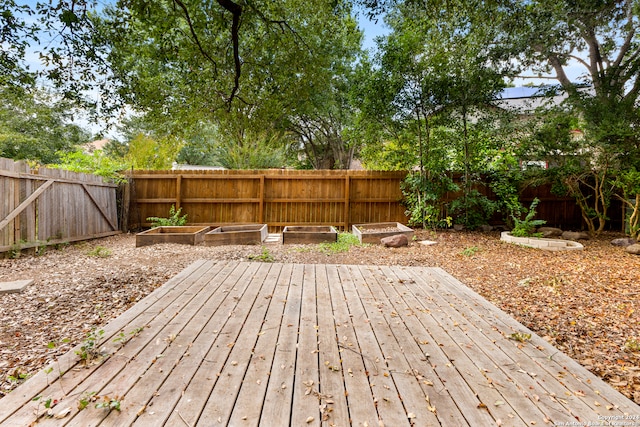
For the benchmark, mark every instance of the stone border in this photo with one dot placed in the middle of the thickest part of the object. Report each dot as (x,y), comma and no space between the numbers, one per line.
(542,243)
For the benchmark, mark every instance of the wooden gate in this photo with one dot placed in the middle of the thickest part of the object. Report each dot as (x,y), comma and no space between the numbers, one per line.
(51,206)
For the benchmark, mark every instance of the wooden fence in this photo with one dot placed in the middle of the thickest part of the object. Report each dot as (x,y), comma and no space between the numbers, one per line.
(285,197)
(51,206)
(274,197)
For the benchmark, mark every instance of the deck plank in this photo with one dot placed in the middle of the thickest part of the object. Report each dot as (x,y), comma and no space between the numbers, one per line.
(333,401)
(360,400)
(306,384)
(278,402)
(229,319)
(249,317)
(372,343)
(251,344)
(249,403)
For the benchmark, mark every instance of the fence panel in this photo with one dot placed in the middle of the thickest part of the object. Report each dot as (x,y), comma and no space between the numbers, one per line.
(275,197)
(48,206)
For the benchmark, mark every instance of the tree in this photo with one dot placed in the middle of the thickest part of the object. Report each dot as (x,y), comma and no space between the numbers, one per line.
(432,83)
(35,125)
(602,38)
(183,63)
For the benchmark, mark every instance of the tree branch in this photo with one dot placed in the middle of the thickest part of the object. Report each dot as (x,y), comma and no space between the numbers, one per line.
(192,30)
(236,11)
(628,39)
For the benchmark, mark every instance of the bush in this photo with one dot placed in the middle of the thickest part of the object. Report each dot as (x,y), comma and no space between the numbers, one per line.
(174,219)
(526,227)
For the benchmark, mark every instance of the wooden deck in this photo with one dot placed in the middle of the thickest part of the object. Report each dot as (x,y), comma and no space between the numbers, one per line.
(246,344)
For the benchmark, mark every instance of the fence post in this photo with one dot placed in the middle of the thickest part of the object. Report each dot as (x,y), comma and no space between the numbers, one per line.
(347,196)
(178,192)
(261,203)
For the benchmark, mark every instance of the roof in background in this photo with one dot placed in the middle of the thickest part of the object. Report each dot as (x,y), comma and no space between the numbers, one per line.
(523,92)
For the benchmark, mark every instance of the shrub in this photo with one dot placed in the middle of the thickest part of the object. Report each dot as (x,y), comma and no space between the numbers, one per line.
(174,219)
(526,227)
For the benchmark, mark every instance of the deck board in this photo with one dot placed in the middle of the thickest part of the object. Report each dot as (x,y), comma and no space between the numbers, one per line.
(250,344)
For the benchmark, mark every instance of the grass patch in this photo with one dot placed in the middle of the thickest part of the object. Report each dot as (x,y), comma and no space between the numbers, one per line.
(100,252)
(343,244)
(264,256)
(470,251)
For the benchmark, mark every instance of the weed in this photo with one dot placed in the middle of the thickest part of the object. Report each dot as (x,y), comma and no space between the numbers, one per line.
(108,402)
(470,251)
(41,249)
(100,251)
(122,338)
(89,350)
(343,244)
(173,220)
(85,399)
(60,246)
(15,251)
(17,376)
(632,345)
(265,256)
(520,337)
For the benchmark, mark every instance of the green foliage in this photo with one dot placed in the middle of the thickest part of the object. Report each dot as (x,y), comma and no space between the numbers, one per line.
(629,183)
(174,219)
(470,251)
(89,349)
(472,210)
(343,244)
(264,256)
(35,126)
(505,178)
(526,227)
(520,337)
(423,199)
(632,345)
(100,252)
(147,152)
(97,163)
(109,403)
(246,149)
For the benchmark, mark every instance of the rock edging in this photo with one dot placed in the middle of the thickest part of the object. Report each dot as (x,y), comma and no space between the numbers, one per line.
(542,243)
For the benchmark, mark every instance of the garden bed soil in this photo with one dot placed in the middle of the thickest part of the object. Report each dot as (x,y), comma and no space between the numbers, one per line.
(583,302)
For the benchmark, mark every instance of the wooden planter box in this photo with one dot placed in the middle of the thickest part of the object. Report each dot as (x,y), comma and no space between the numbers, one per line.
(186,235)
(251,234)
(309,234)
(372,233)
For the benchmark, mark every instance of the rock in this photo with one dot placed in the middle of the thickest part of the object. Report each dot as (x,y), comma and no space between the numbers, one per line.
(575,235)
(458,227)
(625,241)
(550,231)
(395,241)
(486,228)
(634,249)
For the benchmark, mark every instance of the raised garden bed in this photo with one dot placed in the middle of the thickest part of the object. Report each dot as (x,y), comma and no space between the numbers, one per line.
(250,234)
(373,233)
(186,235)
(542,243)
(309,234)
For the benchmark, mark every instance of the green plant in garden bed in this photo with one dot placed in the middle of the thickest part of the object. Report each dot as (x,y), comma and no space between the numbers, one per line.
(174,219)
(526,227)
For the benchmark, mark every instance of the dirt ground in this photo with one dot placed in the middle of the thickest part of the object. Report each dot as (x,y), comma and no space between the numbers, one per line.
(586,303)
